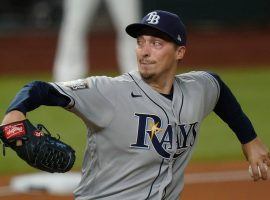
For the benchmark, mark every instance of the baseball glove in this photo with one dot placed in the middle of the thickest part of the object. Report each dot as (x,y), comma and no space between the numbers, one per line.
(37,147)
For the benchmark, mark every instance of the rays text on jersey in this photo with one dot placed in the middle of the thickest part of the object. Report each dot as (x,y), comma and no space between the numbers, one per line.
(181,136)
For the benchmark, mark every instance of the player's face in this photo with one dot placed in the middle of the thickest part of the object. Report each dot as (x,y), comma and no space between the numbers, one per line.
(157,57)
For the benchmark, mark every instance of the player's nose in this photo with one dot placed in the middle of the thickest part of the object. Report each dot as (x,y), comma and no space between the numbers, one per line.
(146,50)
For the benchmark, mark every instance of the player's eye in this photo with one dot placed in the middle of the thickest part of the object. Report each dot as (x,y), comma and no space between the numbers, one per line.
(157,44)
(139,42)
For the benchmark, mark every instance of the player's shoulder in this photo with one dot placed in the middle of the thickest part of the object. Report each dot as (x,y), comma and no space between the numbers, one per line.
(198,79)
(192,75)
(107,83)
(114,81)
(195,76)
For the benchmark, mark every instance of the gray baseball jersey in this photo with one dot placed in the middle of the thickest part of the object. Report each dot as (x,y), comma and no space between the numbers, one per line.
(139,142)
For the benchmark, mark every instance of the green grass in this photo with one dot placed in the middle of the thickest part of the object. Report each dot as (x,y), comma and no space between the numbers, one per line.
(216,141)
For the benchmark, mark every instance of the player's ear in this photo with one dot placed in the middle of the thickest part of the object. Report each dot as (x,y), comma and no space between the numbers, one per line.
(180,52)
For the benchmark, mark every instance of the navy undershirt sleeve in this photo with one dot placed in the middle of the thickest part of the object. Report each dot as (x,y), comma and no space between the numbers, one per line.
(230,111)
(35,94)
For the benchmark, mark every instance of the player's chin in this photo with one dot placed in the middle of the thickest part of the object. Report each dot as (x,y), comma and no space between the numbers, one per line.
(146,68)
(146,75)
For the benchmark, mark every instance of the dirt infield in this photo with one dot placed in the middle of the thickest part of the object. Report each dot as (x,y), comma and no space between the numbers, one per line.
(35,51)
(222,181)
(232,183)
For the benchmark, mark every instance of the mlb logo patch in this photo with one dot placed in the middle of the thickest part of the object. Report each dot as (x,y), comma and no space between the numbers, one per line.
(77,84)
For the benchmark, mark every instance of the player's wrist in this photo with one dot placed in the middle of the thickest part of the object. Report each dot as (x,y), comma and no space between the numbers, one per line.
(13,116)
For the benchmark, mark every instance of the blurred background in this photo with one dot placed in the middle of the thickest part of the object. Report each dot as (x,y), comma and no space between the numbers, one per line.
(220,33)
(229,37)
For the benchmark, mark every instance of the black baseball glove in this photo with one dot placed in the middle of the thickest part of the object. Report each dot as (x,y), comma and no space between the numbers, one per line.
(37,147)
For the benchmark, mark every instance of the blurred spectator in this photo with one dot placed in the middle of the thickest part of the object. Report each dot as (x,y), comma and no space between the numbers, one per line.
(71,56)
(16,14)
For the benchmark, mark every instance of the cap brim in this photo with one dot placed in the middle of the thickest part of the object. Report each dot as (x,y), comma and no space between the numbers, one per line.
(136,29)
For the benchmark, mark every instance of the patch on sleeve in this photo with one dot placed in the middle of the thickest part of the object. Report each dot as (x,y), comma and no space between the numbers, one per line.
(76,84)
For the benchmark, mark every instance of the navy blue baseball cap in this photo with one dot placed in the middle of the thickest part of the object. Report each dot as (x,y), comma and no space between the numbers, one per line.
(165,22)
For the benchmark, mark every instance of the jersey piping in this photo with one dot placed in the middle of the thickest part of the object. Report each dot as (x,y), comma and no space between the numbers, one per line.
(155,179)
(182,100)
(72,103)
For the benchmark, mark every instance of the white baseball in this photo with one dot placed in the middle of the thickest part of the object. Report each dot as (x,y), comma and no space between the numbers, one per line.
(260,174)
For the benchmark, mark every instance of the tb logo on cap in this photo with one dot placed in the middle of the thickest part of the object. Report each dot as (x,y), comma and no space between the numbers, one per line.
(153,18)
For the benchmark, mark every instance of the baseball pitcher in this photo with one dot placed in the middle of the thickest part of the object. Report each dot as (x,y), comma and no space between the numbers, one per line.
(142,126)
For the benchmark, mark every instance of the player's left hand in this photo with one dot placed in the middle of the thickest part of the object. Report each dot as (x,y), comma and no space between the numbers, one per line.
(37,146)
(258,156)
